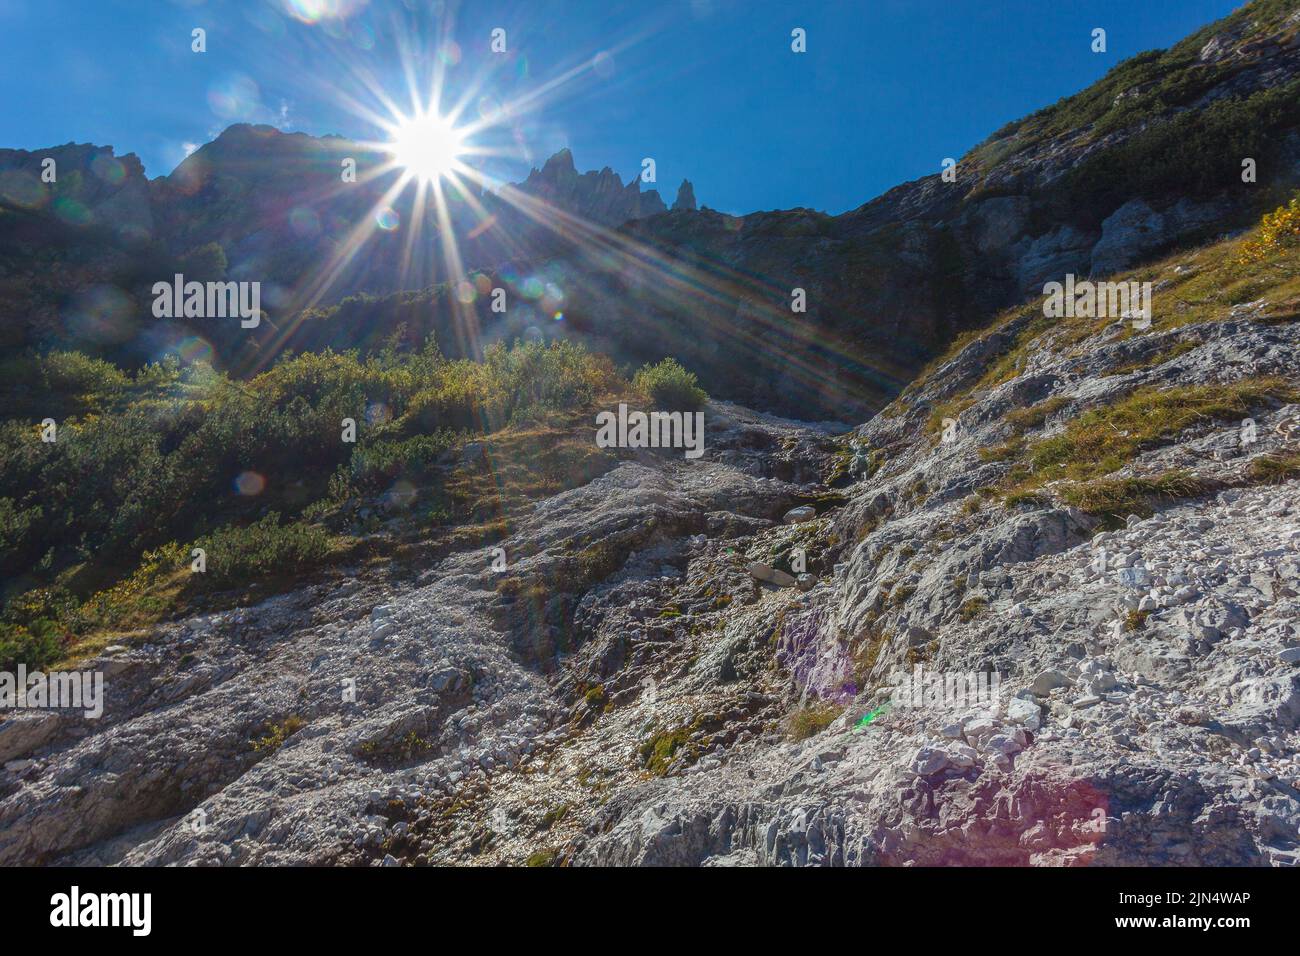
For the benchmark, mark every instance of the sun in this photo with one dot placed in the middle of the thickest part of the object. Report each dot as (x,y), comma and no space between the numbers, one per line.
(427,146)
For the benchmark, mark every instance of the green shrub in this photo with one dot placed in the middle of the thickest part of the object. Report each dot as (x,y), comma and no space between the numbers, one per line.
(262,549)
(148,459)
(36,646)
(659,751)
(1190,154)
(669,386)
(382,461)
(277,733)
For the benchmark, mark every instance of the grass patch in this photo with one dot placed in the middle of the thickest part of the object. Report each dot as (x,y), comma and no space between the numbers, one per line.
(900,596)
(553,816)
(1120,497)
(1023,419)
(1009,450)
(951,410)
(1274,468)
(1103,440)
(812,720)
(866,653)
(660,750)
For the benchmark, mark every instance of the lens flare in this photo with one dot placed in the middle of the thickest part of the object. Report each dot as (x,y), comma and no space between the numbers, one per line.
(249,483)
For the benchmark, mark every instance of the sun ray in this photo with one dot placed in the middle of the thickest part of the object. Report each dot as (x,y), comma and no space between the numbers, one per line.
(436,148)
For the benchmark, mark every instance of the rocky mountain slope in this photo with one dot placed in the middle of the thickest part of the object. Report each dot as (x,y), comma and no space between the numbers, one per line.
(633,688)
(697,661)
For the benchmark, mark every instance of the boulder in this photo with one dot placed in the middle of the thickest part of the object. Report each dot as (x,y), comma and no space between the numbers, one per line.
(802,513)
(766,573)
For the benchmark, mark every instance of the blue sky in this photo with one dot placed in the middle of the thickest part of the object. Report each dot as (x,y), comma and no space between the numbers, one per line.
(709,88)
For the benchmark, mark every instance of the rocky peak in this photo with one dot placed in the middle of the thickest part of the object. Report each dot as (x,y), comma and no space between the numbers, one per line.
(685,197)
(92,187)
(561,164)
(599,197)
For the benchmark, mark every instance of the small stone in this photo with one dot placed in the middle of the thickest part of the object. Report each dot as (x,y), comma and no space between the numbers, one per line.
(1024,712)
(765,572)
(1000,743)
(962,756)
(1135,577)
(979,730)
(1048,681)
(930,760)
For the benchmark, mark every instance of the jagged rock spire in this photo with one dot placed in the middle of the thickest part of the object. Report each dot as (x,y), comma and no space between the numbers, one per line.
(685,196)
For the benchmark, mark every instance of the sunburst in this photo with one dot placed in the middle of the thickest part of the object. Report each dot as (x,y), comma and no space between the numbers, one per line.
(427,146)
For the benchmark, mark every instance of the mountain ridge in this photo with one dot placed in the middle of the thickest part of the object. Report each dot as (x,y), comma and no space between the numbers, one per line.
(887,284)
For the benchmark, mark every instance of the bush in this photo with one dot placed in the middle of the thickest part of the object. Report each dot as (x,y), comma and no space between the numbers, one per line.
(265,548)
(382,461)
(59,384)
(1277,230)
(1194,153)
(36,646)
(670,387)
(116,490)
(277,733)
